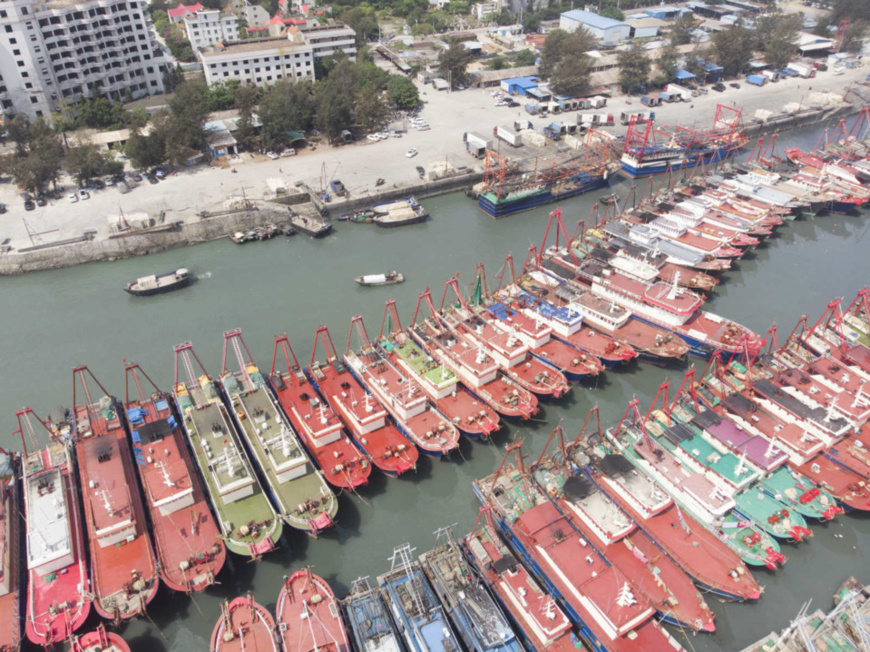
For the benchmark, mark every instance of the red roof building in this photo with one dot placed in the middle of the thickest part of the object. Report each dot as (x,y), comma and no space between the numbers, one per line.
(182,10)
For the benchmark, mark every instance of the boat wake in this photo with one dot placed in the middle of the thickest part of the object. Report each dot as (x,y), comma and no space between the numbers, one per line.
(204,275)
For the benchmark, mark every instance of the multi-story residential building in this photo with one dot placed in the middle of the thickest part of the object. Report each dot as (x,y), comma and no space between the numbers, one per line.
(265,61)
(328,39)
(64,50)
(259,61)
(208,26)
(182,11)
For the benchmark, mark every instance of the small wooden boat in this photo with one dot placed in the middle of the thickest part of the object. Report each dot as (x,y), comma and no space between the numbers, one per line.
(158,284)
(380,279)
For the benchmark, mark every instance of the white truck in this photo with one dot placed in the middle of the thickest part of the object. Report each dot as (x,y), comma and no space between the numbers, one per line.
(684,93)
(475,144)
(626,116)
(804,70)
(509,136)
(597,102)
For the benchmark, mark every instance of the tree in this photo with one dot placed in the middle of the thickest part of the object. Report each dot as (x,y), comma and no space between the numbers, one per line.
(137,118)
(571,76)
(38,157)
(17,129)
(560,44)
(222,96)
(336,100)
(84,162)
(610,10)
(403,92)
(245,103)
(190,107)
(363,21)
(733,50)
(634,67)
(525,57)
(146,152)
(776,35)
(453,62)
(497,63)
(667,65)
(112,167)
(286,106)
(372,109)
(681,31)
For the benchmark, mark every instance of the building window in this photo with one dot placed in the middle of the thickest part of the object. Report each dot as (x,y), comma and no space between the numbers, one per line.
(28,85)
(9,28)
(16,53)
(33,99)
(12,41)
(20,64)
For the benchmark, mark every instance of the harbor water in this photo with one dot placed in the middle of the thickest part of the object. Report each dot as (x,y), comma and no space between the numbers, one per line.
(52,321)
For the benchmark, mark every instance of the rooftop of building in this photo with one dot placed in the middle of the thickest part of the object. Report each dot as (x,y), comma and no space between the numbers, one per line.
(183,9)
(593,20)
(253,45)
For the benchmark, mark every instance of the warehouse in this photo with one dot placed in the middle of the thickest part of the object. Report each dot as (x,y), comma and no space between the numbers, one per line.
(604,29)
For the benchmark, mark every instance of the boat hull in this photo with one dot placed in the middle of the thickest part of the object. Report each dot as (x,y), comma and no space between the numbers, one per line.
(150,292)
(681,160)
(411,220)
(498,209)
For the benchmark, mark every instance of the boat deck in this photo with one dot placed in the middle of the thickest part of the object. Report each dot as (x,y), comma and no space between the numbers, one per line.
(370,623)
(426,627)
(236,494)
(437,375)
(186,539)
(840,375)
(841,401)
(799,410)
(247,626)
(308,616)
(757,449)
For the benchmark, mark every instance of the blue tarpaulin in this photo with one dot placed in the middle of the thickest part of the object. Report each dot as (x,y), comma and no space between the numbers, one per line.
(684,74)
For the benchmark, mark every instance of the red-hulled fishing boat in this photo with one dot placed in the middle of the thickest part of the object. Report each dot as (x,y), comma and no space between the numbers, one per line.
(187,541)
(309,618)
(710,562)
(603,524)
(473,417)
(100,640)
(473,365)
(123,565)
(321,431)
(596,596)
(537,616)
(402,397)
(11,568)
(365,418)
(509,351)
(58,593)
(244,626)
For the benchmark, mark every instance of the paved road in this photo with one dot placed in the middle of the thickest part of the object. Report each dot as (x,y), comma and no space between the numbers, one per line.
(359,165)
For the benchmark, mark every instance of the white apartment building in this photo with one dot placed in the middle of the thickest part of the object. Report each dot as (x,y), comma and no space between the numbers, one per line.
(61,49)
(328,39)
(207,27)
(260,62)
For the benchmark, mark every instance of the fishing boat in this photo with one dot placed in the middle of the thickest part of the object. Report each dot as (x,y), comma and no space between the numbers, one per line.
(190,549)
(11,566)
(667,306)
(247,520)
(641,235)
(403,398)
(474,614)
(58,592)
(244,625)
(472,416)
(100,640)
(536,616)
(649,150)
(298,490)
(308,615)
(478,371)
(418,616)
(343,465)
(124,577)
(310,226)
(147,286)
(711,563)
(390,452)
(693,492)
(509,351)
(597,598)
(388,278)
(506,191)
(603,524)
(401,212)
(370,623)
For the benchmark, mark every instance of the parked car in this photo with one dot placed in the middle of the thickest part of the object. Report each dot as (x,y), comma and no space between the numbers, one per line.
(152,179)
(83,194)
(719,87)
(2,208)
(272,155)
(73,198)
(421,171)
(734,85)
(411,153)
(137,177)
(40,200)
(288,152)
(99,184)
(29,206)
(110,181)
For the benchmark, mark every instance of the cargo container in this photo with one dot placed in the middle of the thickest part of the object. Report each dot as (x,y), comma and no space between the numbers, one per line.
(532,108)
(597,102)
(551,133)
(756,80)
(804,70)
(772,75)
(669,97)
(519,125)
(475,144)
(651,100)
(684,93)
(509,136)
(626,116)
